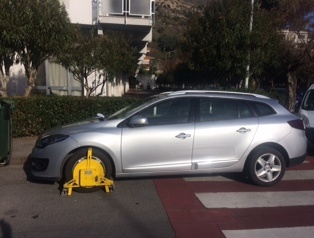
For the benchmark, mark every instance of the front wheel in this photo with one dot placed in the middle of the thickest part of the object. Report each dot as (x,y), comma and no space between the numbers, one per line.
(78,158)
(266,166)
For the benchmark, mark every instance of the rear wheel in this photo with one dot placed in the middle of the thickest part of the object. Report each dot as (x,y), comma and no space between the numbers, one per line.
(266,166)
(78,158)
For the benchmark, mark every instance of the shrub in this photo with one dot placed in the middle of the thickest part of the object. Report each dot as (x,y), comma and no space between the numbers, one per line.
(32,116)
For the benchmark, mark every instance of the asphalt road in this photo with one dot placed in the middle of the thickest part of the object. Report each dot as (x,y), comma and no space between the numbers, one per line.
(37,210)
(210,206)
(29,209)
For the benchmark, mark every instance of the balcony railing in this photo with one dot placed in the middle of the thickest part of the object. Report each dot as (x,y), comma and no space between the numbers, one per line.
(127,8)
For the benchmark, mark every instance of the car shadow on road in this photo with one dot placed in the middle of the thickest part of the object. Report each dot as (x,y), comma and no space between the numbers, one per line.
(239,177)
(236,177)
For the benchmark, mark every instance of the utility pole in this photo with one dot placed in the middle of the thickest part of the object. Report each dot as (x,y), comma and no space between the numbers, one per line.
(247,77)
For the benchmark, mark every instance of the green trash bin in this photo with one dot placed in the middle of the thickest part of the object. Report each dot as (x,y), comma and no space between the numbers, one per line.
(6,107)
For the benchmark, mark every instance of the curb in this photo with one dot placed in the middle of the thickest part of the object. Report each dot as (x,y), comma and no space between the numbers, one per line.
(21,149)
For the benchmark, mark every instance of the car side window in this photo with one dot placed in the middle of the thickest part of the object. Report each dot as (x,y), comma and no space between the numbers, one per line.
(212,109)
(173,111)
(245,110)
(263,109)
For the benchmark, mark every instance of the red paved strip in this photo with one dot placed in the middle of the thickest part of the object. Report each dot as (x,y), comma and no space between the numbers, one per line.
(186,213)
(257,218)
(190,218)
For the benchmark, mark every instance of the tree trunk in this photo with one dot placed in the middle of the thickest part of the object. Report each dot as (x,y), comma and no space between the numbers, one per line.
(292,84)
(31,74)
(4,76)
(31,81)
(4,83)
(86,89)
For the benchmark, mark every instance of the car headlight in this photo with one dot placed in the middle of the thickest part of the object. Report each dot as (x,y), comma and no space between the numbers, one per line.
(48,140)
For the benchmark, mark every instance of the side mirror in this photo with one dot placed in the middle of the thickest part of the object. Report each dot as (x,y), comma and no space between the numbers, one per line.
(138,121)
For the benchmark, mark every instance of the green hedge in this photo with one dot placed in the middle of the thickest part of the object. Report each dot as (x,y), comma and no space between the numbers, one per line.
(33,115)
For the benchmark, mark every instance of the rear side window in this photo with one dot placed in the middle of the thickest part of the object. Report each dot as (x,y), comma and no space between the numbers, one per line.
(263,109)
(213,109)
(244,110)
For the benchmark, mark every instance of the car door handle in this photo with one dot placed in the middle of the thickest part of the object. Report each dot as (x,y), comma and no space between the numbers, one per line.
(243,130)
(182,136)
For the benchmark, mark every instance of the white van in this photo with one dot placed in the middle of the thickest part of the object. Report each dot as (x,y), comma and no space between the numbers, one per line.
(306,113)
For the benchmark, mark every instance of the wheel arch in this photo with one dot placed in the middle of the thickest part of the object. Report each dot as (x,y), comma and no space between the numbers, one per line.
(64,162)
(273,145)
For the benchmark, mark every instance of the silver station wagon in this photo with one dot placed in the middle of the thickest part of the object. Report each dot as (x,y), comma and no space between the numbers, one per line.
(180,133)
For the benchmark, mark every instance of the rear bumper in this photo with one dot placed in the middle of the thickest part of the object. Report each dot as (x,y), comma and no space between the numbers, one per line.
(297,160)
(309,132)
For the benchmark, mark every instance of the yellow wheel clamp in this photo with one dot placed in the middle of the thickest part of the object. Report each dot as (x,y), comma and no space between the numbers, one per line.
(88,173)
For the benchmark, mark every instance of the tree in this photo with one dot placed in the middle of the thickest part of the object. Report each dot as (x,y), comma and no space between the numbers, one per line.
(219,40)
(293,15)
(35,30)
(6,60)
(167,43)
(99,55)
(266,57)
(118,56)
(305,76)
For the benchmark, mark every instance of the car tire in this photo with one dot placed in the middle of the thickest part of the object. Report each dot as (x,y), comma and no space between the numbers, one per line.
(266,166)
(81,155)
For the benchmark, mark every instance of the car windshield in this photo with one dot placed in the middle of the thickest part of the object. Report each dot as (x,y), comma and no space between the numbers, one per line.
(129,110)
(308,103)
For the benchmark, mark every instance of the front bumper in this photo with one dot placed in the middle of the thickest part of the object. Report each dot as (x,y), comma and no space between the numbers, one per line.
(47,163)
(40,170)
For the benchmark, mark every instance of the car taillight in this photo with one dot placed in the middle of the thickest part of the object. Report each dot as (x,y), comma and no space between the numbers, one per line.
(297,124)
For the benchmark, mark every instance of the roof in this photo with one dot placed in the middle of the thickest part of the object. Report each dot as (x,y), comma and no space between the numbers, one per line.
(211,92)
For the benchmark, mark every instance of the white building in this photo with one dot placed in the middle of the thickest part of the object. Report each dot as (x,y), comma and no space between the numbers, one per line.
(134,17)
(296,37)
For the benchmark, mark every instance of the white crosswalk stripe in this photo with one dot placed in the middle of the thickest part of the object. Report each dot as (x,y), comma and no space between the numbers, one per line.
(256,199)
(289,232)
(289,175)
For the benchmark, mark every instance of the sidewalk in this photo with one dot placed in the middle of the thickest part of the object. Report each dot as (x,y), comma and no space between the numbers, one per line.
(22,147)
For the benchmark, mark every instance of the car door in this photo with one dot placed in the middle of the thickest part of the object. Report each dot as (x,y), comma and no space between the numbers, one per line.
(224,131)
(164,142)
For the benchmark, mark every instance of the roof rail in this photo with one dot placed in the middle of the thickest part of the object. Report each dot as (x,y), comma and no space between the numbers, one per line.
(181,92)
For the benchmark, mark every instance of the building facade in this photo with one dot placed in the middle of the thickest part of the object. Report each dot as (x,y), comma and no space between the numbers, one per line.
(131,17)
